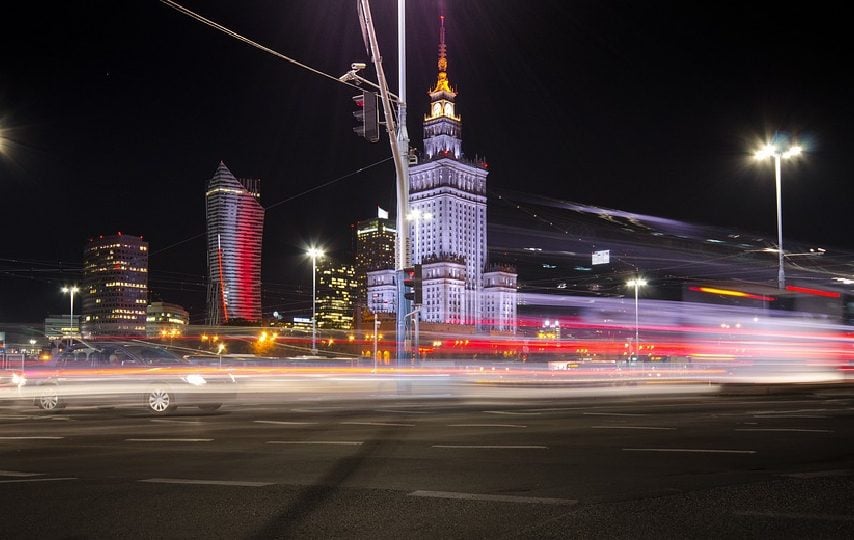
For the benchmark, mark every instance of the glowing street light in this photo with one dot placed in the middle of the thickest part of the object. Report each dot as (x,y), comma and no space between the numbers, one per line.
(637,283)
(70,292)
(220,349)
(770,150)
(314,253)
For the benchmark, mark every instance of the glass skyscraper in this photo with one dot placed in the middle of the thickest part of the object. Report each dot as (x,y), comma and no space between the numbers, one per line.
(235,223)
(115,286)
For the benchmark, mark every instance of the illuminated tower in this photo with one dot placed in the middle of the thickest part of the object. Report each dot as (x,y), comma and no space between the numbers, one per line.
(374,242)
(115,286)
(235,223)
(336,288)
(447,229)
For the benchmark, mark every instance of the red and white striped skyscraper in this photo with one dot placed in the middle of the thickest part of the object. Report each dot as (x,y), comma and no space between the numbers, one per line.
(235,223)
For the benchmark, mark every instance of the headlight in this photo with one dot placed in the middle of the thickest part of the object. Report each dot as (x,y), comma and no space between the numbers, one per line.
(19,380)
(195,379)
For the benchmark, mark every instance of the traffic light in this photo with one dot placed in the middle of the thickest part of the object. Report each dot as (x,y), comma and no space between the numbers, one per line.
(412,280)
(367,116)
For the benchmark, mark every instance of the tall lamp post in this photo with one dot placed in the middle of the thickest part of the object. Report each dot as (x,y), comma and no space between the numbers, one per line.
(314,253)
(70,292)
(771,150)
(637,283)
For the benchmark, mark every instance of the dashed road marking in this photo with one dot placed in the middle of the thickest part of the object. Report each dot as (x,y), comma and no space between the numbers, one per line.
(376,424)
(205,482)
(488,425)
(491,447)
(690,450)
(788,430)
(491,498)
(168,440)
(333,443)
(23,480)
(284,423)
(635,427)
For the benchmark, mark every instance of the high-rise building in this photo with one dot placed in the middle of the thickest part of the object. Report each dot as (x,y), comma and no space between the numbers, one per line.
(235,223)
(450,190)
(115,286)
(336,289)
(374,242)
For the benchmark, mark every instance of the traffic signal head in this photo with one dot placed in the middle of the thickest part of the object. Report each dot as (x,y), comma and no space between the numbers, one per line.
(412,280)
(367,116)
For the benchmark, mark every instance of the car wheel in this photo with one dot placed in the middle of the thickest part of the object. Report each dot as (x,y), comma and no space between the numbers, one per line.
(49,399)
(210,406)
(160,400)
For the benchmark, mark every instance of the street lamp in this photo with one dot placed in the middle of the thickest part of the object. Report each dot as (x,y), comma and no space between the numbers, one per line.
(637,283)
(70,292)
(770,150)
(219,349)
(417,216)
(314,253)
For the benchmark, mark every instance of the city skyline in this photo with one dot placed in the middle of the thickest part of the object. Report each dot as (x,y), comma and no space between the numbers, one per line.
(146,119)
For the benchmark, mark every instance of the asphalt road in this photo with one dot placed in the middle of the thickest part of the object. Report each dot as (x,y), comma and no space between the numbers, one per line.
(596,466)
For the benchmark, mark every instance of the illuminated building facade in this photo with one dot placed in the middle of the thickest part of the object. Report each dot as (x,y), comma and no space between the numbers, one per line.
(447,197)
(115,286)
(374,242)
(166,320)
(235,223)
(336,291)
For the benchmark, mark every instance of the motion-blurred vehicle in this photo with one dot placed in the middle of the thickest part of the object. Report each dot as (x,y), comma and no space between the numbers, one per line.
(128,374)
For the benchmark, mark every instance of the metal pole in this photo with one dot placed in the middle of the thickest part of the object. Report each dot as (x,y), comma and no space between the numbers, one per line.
(401,165)
(376,331)
(313,304)
(781,273)
(71,318)
(637,348)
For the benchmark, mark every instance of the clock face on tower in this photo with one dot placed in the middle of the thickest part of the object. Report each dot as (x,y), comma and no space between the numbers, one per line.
(449,109)
(437,109)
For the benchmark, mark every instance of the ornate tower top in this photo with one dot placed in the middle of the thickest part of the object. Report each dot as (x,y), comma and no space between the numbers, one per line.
(442,79)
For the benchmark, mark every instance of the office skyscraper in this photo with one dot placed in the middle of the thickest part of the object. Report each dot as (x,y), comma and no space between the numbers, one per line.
(336,288)
(235,223)
(115,286)
(374,241)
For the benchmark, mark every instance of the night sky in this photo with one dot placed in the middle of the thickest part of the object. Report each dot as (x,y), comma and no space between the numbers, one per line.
(114,115)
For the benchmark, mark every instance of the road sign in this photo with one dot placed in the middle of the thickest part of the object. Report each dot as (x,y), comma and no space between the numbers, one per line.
(602,256)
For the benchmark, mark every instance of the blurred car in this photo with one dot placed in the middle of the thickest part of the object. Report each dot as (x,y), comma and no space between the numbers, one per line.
(135,374)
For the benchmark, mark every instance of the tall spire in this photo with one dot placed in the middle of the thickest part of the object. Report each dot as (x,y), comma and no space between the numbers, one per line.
(442,79)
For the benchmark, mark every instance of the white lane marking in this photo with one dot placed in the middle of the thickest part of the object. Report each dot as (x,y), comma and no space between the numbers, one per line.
(488,497)
(19,481)
(14,417)
(490,447)
(790,416)
(162,421)
(284,423)
(487,425)
(205,482)
(512,412)
(818,517)
(690,450)
(375,424)
(19,474)
(169,440)
(39,437)
(634,427)
(551,409)
(821,474)
(338,443)
(788,430)
(615,414)
(402,412)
